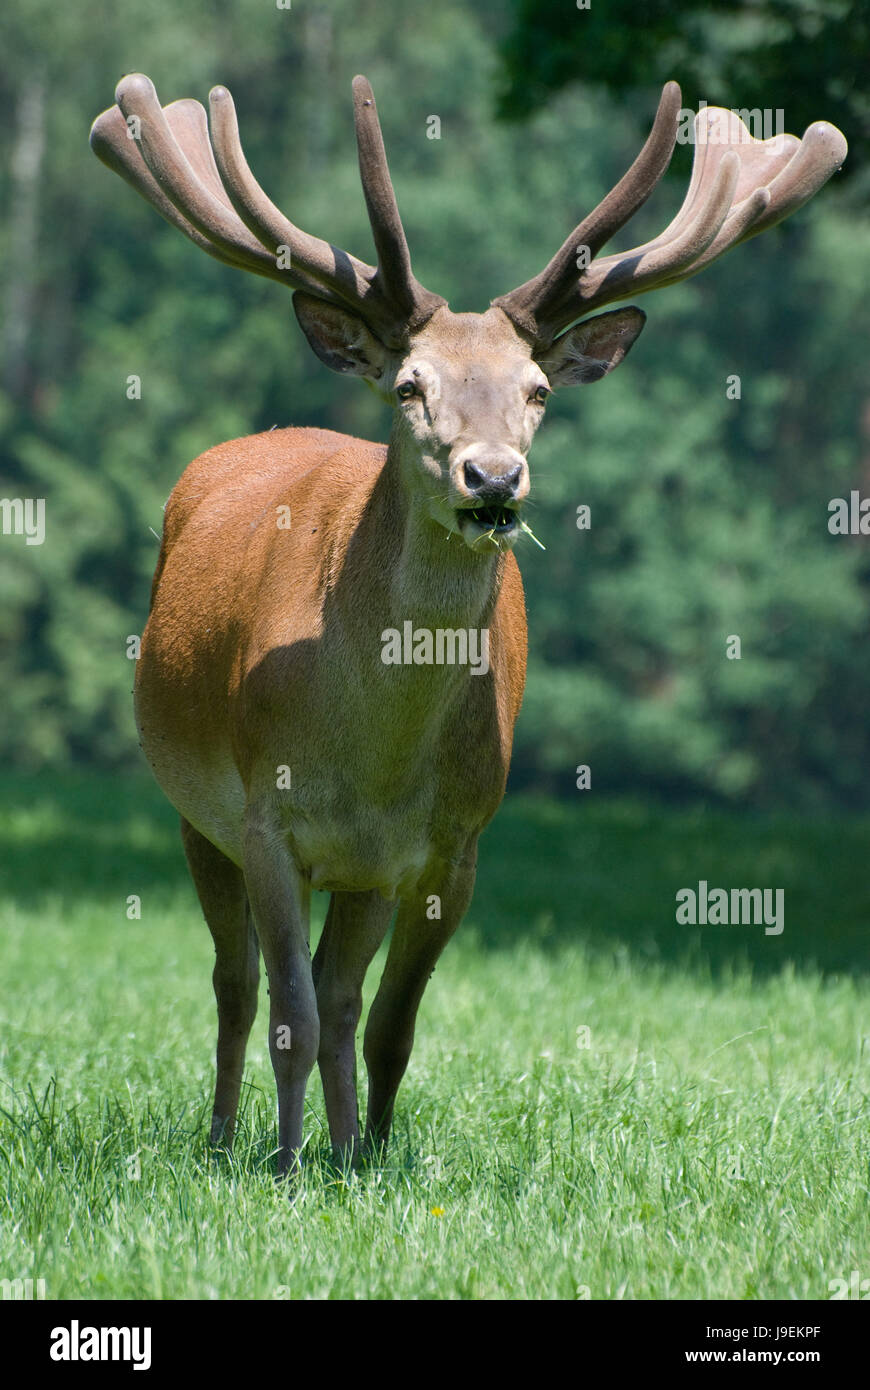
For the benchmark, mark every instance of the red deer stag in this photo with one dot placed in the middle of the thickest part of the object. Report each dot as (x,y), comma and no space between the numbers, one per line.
(297,751)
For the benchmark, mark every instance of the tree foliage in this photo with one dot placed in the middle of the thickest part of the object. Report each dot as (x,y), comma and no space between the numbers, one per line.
(807,58)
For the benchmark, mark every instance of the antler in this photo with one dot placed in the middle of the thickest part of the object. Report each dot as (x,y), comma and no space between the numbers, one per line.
(739,187)
(208,191)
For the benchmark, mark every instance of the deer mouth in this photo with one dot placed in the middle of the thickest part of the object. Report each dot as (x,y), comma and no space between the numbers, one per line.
(493,518)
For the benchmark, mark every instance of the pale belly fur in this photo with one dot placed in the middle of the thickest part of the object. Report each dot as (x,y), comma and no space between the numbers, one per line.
(338,842)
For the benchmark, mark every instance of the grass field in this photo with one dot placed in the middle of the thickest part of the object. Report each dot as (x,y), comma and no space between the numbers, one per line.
(709,1142)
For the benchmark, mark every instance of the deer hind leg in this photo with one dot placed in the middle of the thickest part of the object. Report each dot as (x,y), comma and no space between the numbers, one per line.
(279,898)
(354,929)
(419,937)
(220,886)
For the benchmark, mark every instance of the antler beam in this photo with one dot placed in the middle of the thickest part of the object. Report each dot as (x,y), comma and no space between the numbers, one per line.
(739,187)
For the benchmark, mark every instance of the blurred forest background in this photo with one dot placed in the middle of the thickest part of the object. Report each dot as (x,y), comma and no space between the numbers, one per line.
(709,515)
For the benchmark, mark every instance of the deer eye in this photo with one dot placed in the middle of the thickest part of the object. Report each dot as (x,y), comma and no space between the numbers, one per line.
(540,395)
(405,390)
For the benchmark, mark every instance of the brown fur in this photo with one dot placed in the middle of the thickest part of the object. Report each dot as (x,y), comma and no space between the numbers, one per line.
(263,650)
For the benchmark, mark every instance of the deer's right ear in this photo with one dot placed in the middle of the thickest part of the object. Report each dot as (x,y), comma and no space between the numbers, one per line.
(341,340)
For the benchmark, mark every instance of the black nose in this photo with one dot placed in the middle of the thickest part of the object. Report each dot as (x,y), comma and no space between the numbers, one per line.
(491,487)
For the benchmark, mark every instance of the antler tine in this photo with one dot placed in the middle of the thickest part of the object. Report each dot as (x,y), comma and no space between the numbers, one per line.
(111,142)
(671,255)
(315,265)
(171,170)
(394,276)
(540,305)
(819,154)
(740,223)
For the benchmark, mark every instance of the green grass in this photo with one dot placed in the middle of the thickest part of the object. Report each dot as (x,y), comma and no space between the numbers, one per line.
(711,1142)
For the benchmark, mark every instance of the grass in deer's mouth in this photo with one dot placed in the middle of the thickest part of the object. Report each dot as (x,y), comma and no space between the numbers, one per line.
(489,518)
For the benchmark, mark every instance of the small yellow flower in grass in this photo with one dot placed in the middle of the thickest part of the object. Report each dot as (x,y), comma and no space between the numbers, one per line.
(437,1211)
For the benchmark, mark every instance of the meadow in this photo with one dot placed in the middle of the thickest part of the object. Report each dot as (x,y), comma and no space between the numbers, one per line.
(601,1103)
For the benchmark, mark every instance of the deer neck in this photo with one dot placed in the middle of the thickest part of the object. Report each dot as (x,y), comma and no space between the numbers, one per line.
(401,578)
(433,577)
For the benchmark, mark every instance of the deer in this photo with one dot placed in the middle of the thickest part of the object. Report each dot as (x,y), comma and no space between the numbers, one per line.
(297,756)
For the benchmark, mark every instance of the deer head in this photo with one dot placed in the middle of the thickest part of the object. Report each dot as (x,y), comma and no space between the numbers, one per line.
(469,390)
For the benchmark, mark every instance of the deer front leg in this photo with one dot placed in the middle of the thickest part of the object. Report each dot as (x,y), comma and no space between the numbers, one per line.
(424,925)
(279,901)
(354,929)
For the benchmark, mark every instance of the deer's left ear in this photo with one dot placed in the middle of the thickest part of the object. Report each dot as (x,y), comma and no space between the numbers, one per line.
(591,349)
